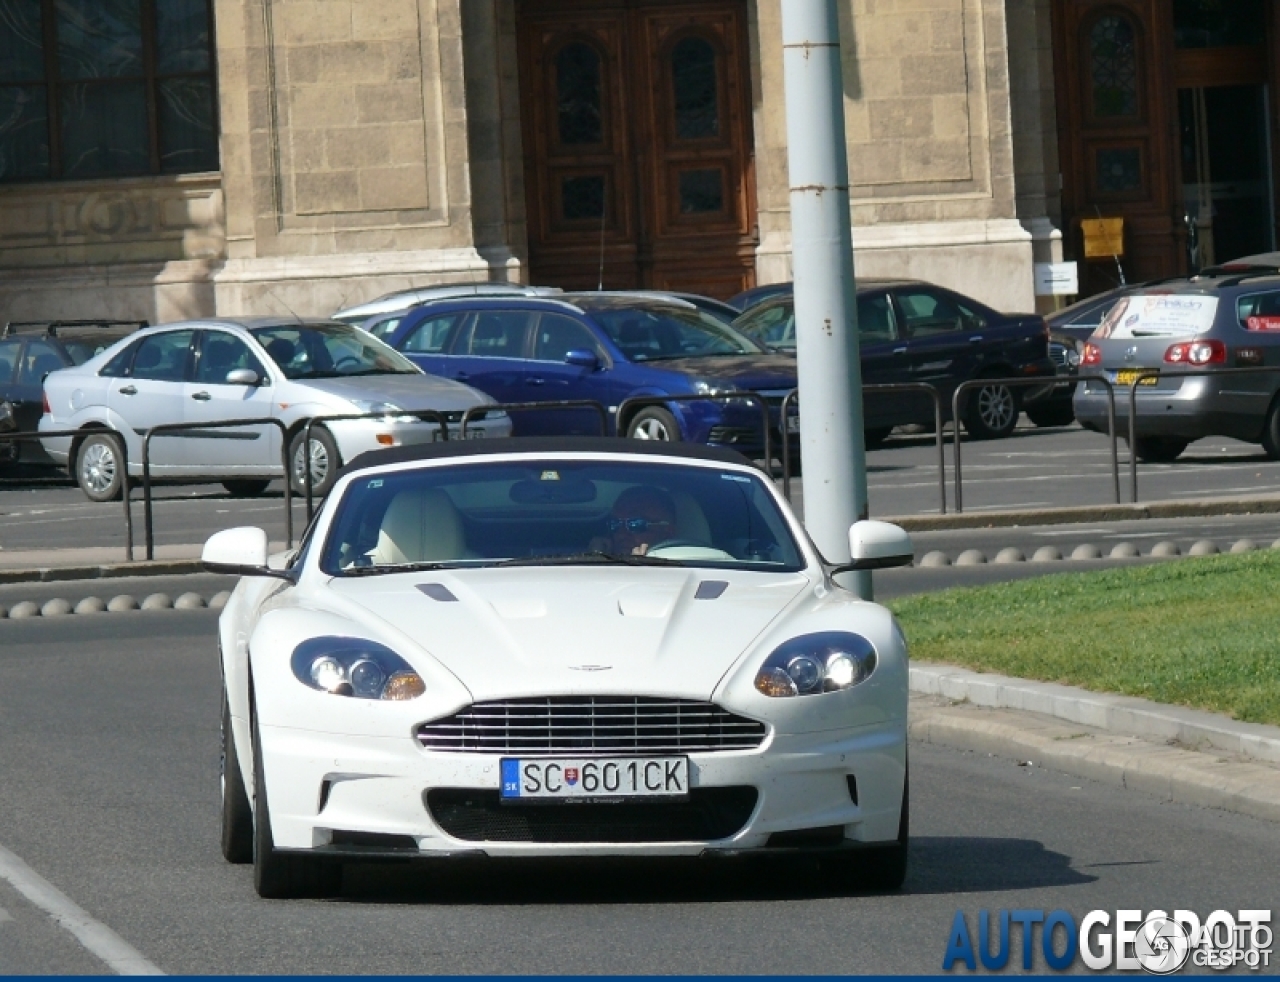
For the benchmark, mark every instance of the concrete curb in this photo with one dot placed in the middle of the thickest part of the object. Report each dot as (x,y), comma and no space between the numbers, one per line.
(1171,773)
(1123,715)
(1199,508)
(57,574)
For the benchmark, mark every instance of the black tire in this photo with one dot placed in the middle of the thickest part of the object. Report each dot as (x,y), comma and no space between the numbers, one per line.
(325,462)
(1271,432)
(246,487)
(282,875)
(98,466)
(1059,414)
(1159,449)
(654,423)
(875,438)
(991,412)
(237,812)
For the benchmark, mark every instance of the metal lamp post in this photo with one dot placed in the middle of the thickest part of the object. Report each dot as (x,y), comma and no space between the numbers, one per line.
(832,444)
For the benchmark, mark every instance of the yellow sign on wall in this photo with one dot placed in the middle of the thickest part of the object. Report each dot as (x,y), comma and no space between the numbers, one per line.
(1103,237)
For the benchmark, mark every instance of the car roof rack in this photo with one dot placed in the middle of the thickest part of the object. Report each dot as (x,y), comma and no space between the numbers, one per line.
(51,328)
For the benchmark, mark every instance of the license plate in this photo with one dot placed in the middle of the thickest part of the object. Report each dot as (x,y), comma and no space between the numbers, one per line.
(472,434)
(793,424)
(1127,376)
(594,778)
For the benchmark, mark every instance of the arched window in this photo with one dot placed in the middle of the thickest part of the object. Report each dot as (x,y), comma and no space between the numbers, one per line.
(694,83)
(1112,52)
(578,95)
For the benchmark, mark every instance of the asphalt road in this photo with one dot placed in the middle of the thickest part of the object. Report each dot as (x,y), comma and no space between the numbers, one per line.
(109,727)
(1033,469)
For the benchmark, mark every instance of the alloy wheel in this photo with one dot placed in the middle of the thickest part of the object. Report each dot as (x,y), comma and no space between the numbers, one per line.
(98,468)
(651,429)
(995,406)
(319,464)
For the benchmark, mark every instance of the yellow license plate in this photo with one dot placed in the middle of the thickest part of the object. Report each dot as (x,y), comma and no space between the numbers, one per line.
(1129,375)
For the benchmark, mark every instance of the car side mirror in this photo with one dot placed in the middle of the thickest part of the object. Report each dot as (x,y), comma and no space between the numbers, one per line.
(582,358)
(242,376)
(877,545)
(240,552)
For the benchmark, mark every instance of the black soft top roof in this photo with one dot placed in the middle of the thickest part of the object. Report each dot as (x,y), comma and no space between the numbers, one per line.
(542,445)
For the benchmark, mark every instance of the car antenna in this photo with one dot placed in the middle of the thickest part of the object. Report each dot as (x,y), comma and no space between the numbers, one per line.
(604,198)
(1114,254)
(280,300)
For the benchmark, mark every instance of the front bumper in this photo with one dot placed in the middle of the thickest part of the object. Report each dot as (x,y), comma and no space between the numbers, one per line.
(356,436)
(327,790)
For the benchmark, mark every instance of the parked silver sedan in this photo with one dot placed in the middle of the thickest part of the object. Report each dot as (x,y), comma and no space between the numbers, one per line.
(217,370)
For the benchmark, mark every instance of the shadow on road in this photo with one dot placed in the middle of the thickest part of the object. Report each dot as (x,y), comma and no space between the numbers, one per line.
(938,865)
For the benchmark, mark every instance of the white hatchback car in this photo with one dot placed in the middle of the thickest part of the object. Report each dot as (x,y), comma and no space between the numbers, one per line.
(558,647)
(252,368)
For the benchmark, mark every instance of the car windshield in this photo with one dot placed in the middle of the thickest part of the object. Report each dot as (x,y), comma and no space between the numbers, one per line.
(661,333)
(558,512)
(304,351)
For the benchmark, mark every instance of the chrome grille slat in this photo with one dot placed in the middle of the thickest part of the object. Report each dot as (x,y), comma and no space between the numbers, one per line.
(591,724)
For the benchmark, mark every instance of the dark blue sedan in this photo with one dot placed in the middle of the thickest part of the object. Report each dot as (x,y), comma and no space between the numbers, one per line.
(603,347)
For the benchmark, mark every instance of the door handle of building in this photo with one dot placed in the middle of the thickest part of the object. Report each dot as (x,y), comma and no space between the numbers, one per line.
(128,390)
(201,396)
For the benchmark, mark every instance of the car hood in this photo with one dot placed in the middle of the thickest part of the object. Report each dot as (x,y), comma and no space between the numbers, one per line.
(577,630)
(406,391)
(763,371)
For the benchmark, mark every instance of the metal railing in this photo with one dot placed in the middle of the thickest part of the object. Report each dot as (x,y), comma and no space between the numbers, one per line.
(125,487)
(308,481)
(522,406)
(939,436)
(173,429)
(1157,374)
(1039,381)
(754,397)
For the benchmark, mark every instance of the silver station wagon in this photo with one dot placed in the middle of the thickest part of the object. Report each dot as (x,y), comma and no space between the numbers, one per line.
(1221,320)
(254,368)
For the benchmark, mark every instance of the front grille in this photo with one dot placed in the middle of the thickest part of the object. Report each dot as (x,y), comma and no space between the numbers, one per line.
(592,724)
(479,816)
(1058,354)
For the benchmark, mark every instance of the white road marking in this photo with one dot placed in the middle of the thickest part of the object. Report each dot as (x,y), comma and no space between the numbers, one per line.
(1072,532)
(97,938)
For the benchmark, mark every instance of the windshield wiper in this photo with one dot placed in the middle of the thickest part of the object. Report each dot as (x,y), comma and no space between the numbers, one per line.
(401,568)
(595,556)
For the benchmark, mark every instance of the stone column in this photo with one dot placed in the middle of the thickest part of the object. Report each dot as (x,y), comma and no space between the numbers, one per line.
(345,153)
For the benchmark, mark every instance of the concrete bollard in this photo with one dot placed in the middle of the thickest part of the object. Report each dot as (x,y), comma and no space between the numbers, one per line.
(91,605)
(1010,555)
(57,607)
(1125,550)
(122,603)
(971,557)
(1204,547)
(1165,550)
(1086,551)
(1047,554)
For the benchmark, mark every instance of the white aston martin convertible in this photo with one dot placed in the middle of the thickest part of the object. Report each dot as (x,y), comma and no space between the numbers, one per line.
(558,647)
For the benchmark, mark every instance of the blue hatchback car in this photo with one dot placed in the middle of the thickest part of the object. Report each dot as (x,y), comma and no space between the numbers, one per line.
(604,347)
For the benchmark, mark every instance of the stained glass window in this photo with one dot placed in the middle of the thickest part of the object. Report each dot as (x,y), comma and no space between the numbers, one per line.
(126,86)
(582,197)
(701,191)
(693,77)
(1113,67)
(1119,170)
(578,95)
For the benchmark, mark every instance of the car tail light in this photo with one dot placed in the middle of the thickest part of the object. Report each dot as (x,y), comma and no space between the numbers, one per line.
(1092,355)
(44,403)
(1196,353)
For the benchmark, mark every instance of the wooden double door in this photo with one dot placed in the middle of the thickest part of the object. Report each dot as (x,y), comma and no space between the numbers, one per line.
(638,147)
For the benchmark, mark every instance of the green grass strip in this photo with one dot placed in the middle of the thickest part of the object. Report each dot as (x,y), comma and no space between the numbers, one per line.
(1192,632)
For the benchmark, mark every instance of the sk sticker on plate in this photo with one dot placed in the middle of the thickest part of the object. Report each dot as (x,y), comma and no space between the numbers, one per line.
(551,475)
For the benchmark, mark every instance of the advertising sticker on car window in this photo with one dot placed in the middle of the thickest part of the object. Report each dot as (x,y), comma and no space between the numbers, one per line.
(1158,316)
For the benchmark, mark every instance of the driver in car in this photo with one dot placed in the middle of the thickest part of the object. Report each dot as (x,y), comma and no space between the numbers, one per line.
(641,517)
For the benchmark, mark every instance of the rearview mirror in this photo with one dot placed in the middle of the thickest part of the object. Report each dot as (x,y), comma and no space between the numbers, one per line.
(242,376)
(582,358)
(240,552)
(877,545)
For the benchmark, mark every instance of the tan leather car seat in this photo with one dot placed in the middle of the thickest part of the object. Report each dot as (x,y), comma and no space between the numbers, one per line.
(420,526)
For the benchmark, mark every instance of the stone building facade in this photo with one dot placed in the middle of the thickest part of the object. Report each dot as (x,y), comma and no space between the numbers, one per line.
(368,145)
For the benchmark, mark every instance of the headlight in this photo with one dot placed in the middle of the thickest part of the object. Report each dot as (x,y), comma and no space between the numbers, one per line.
(352,667)
(369,406)
(815,663)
